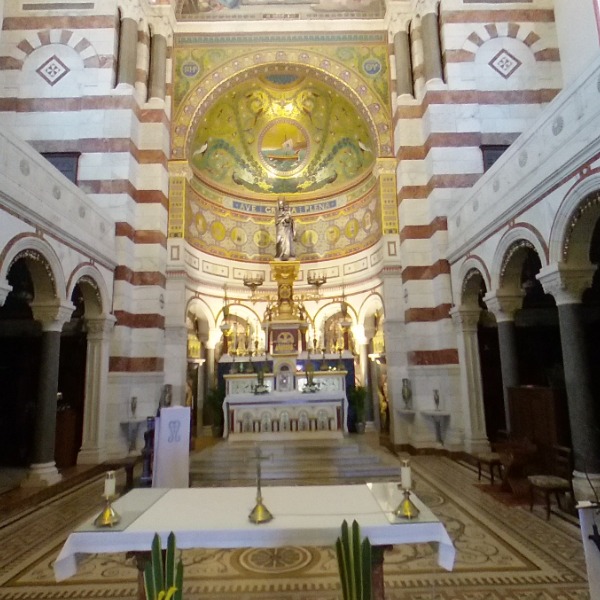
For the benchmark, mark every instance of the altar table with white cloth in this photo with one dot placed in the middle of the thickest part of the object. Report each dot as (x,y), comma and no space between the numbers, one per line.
(218,518)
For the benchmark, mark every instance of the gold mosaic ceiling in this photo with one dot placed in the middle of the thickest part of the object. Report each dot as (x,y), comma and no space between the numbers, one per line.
(281,133)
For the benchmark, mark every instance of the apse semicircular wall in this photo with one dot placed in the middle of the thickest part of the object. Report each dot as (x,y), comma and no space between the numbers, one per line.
(288,131)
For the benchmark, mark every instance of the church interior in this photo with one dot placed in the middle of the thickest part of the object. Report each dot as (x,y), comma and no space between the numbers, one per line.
(355,231)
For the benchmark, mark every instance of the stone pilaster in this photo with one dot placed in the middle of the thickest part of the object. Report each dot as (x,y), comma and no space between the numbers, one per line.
(176,360)
(93,439)
(466,319)
(566,286)
(503,306)
(43,472)
(394,328)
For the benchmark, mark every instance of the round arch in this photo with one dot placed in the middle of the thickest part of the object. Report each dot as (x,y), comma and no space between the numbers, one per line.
(372,303)
(574,222)
(45,267)
(507,261)
(95,293)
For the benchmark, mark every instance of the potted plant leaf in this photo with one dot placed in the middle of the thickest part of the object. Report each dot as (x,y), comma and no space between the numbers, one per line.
(354,563)
(163,579)
(357,397)
(214,404)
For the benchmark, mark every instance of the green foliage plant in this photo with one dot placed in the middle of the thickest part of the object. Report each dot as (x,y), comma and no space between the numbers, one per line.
(163,579)
(357,396)
(354,563)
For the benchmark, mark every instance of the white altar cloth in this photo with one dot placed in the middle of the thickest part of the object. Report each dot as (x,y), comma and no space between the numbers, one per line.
(218,518)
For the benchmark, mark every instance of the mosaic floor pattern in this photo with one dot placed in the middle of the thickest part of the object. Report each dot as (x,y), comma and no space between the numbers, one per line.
(503,553)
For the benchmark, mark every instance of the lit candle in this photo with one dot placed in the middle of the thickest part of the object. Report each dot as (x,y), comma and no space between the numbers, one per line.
(110,484)
(406,475)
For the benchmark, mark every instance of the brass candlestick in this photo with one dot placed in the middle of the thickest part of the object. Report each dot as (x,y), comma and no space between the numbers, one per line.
(109,517)
(260,513)
(406,509)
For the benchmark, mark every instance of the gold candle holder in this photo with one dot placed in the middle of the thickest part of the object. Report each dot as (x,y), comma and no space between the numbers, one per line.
(406,509)
(260,513)
(109,517)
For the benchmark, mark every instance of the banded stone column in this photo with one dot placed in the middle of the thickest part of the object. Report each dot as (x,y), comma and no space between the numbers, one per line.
(42,471)
(466,319)
(93,442)
(503,305)
(567,286)
(432,54)
(127,53)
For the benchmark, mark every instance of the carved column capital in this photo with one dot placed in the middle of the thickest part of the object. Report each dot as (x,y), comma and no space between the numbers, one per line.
(130,9)
(385,166)
(425,7)
(466,317)
(99,327)
(180,168)
(52,315)
(161,25)
(503,304)
(565,283)
(399,21)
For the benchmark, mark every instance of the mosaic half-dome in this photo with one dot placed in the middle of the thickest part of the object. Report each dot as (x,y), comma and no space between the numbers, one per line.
(283,133)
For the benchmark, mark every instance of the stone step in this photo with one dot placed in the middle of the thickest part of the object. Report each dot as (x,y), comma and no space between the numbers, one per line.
(298,462)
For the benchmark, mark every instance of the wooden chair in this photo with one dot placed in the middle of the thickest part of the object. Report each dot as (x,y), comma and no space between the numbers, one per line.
(492,460)
(558,482)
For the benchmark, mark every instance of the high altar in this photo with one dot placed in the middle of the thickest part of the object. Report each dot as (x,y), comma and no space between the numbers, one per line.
(290,391)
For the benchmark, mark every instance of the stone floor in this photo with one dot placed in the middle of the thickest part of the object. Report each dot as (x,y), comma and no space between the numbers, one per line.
(504,551)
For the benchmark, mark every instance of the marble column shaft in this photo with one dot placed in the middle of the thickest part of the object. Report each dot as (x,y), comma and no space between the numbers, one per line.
(128,40)
(404,76)
(509,363)
(583,411)
(45,420)
(432,56)
(96,383)
(466,319)
(158,67)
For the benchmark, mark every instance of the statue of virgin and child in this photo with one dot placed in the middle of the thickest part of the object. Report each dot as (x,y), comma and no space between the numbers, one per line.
(285,231)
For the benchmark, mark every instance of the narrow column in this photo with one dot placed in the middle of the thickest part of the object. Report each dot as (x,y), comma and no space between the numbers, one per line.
(395,344)
(158,67)
(93,448)
(466,318)
(432,56)
(210,362)
(567,286)
(402,55)
(128,40)
(42,471)
(503,306)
